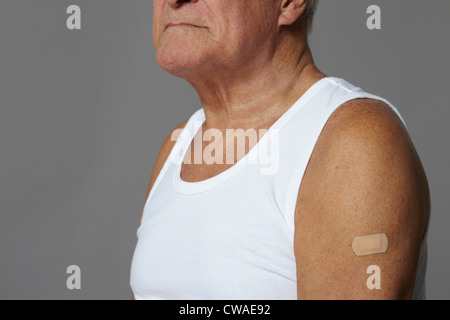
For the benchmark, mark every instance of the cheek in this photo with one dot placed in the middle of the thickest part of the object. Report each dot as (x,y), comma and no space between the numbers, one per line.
(246,26)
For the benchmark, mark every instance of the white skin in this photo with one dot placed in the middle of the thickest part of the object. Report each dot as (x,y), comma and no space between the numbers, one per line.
(246,74)
(249,62)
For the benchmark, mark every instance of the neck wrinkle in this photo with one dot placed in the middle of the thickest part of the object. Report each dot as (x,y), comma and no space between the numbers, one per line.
(255,97)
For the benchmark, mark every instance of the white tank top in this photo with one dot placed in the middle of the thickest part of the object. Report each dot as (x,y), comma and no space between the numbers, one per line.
(231,236)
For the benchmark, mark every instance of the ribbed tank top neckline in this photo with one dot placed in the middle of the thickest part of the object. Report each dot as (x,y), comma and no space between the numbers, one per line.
(197,120)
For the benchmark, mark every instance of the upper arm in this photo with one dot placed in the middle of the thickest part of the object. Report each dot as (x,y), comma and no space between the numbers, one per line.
(161,159)
(364,177)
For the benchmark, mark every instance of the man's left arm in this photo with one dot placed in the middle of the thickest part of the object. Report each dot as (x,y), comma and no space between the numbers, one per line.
(364,178)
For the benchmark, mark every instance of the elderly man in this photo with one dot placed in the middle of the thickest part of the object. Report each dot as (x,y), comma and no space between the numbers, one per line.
(342,215)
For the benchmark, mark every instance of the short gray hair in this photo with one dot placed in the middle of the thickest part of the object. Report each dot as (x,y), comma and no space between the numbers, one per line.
(308,14)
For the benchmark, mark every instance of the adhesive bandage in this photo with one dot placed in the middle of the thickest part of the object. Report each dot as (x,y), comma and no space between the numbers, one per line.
(371,244)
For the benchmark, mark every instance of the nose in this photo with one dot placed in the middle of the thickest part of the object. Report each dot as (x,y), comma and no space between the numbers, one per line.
(179,3)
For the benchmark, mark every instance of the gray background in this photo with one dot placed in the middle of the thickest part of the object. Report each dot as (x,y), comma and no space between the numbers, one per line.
(83,114)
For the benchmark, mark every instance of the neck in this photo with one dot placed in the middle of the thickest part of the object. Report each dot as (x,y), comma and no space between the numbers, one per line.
(255,94)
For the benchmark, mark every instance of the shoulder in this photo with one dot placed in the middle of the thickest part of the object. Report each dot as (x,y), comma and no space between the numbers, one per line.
(163,154)
(366,147)
(364,130)
(368,135)
(168,144)
(364,119)
(360,131)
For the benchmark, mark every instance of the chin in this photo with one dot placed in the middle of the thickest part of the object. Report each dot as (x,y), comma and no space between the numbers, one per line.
(181,60)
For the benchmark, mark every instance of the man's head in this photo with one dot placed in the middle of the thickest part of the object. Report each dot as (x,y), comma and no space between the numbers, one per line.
(194,36)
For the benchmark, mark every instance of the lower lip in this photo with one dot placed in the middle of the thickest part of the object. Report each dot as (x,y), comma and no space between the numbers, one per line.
(182,25)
